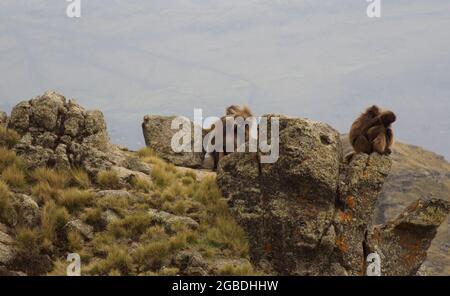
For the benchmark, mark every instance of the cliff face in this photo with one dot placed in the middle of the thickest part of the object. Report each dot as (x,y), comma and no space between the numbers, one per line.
(416,173)
(310,214)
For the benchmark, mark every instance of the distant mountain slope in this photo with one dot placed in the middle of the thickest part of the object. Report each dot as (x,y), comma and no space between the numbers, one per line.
(416,173)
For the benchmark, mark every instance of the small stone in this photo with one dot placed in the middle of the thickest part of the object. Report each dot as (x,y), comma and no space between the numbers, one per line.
(84,229)
(171,221)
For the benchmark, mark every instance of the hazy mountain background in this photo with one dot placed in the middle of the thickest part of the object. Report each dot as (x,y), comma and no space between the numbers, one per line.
(324,60)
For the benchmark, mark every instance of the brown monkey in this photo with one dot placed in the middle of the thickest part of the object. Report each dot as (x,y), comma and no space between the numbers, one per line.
(372,132)
(234,112)
(381,136)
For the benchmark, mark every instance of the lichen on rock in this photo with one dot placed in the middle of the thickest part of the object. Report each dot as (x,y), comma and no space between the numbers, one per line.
(158,135)
(57,132)
(311,214)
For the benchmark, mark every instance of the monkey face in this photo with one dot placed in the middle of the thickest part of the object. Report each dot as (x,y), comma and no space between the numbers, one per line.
(388,117)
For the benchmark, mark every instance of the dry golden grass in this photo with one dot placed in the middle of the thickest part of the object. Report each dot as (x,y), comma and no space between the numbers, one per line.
(28,242)
(63,195)
(151,255)
(75,199)
(117,262)
(227,234)
(14,176)
(53,220)
(236,270)
(7,212)
(162,176)
(146,152)
(42,192)
(80,178)
(140,184)
(118,204)
(8,137)
(74,241)
(108,180)
(131,226)
(93,217)
(8,158)
(57,179)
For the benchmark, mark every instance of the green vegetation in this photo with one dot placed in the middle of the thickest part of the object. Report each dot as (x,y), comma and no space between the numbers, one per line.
(127,240)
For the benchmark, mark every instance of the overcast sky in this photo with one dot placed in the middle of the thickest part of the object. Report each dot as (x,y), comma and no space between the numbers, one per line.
(320,59)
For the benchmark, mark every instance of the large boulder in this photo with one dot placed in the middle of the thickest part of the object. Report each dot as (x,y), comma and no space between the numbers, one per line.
(57,132)
(359,189)
(311,214)
(287,207)
(158,136)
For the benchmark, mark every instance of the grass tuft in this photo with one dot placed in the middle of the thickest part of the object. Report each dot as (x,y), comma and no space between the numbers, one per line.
(8,137)
(74,199)
(227,234)
(53,220)
(14,176)
(57,179)
(80,178)
(108,180)
(8,158)
(140,184)
(7,212)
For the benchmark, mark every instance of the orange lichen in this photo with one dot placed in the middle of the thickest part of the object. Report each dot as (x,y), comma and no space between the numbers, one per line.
(345,217)
(350,202)
(341,244)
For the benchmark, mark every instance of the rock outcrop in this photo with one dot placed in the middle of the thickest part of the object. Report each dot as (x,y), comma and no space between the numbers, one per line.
(403,243)
(310,214)
(158,136)
(416,173)
(57,132)
(3,118)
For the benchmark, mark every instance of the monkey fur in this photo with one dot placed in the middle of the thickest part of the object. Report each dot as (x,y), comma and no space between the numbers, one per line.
(372,132)
(233,111)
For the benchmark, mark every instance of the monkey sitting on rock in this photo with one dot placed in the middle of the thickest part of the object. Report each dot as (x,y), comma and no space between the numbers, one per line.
(372,132)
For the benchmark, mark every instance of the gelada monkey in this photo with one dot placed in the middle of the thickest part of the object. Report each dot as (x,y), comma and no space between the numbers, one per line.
(234,112)
(372,132)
